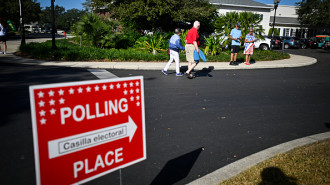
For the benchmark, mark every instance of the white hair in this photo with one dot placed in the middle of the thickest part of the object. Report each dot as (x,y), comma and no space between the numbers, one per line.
(197,23)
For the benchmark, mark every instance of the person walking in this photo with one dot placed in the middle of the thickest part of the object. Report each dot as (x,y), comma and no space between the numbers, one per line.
(3,38)
(192,42)
(235,36)
(175,46)
(249,46)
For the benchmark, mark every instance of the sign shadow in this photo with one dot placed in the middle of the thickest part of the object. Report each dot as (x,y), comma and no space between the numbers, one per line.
(177,169)
(274,175)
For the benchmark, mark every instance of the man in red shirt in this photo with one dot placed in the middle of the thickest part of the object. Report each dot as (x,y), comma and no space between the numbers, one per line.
(192,42)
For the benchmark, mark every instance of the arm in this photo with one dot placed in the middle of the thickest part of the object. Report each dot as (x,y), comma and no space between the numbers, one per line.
(178,44)
(232,38)
(196,46)
(246,41)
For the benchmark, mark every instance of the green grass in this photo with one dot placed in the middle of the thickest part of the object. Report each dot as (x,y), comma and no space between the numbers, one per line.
(307,165)
(68,51)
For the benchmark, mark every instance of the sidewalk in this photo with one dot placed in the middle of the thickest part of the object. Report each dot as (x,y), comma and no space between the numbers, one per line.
(293,61)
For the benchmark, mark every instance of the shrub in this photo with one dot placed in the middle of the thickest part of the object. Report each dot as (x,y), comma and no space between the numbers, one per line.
(97,30)
(67,50)
(153,43)
(213,45)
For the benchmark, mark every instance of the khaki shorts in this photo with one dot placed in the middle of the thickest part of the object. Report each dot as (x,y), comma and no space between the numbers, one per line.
(190,48)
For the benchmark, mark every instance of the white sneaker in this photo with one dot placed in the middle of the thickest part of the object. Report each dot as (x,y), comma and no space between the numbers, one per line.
(4,53)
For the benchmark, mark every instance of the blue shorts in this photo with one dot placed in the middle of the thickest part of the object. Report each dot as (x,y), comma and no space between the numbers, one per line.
(3,38)
(234,49)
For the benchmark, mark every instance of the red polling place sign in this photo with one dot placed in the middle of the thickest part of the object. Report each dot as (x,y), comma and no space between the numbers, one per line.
(83,130)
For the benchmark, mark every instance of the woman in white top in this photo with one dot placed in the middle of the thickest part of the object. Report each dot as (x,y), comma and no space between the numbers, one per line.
(3,37)
(249,46)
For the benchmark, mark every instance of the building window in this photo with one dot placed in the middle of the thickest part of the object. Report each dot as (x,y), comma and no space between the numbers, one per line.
(261,16)
(287,31)
(279,31)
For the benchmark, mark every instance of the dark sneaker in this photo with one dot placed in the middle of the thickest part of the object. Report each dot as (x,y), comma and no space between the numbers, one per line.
(179,74)
(233,63)
(164,72)
(191,76)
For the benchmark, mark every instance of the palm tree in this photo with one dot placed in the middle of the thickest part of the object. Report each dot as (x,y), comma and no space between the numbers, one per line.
(98,30)
(225,23)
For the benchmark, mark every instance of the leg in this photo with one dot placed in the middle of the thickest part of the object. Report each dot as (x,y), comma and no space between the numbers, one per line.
(246,58)
(235,56)
(5,46)
(192,66)
(231,56)
(169,62)
(190,57)
(177,62)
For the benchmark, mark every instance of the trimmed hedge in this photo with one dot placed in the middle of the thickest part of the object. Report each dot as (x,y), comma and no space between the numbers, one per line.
(68,51)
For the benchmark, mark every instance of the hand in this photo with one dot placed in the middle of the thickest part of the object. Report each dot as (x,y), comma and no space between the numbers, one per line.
(197,50)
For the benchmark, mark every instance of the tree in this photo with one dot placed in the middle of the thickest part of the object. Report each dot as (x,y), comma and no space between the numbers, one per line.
(276,32)
(225,23)
(314,13)
(46,18)
(69,18)
(97,30)
(9,10)
(63,19)
(162,15)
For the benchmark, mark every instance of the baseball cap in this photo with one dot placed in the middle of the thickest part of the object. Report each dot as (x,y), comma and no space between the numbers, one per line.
(238,24)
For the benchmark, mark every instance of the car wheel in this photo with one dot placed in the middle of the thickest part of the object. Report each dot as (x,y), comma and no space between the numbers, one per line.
(286,46)
(303,46)
(264,47)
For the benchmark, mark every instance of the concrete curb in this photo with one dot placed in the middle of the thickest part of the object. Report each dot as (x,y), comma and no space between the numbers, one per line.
(239,166)
(293,61)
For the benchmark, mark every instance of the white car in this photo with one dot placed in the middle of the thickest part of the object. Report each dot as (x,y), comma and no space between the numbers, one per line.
(263,44)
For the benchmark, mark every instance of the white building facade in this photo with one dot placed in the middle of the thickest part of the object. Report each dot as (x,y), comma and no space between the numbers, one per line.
(225,6)
(286,20)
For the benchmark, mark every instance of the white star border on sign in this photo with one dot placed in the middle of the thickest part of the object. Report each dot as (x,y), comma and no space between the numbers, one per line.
(41,94)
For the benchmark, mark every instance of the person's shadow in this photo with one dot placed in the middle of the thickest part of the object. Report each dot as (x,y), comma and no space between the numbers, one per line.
(275,176)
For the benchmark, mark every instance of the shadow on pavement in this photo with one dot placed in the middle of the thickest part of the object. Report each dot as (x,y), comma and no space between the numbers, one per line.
(205,72)
(327,125)
(177,169)
(274,175)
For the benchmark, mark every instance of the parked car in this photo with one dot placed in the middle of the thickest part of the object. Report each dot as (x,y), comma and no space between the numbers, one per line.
(323,41)
(290,42)
(45,31)
(263,44)
(276,42)
(308,43)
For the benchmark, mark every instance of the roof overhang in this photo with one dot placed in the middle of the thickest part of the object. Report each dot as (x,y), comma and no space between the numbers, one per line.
(243,6)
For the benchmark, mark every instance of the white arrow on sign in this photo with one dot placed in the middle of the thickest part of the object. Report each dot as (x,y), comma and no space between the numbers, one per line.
(90,139)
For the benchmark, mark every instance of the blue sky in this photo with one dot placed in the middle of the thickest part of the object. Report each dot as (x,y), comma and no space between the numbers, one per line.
(69,4)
